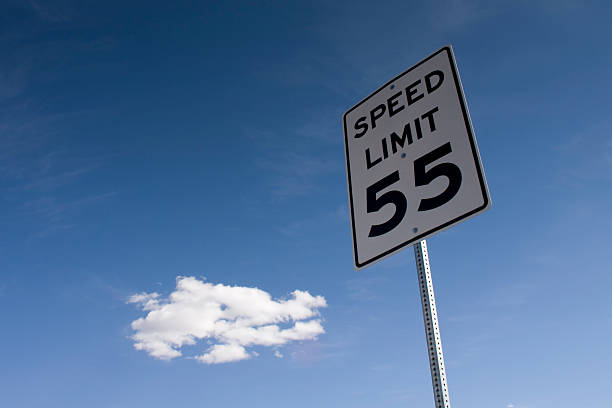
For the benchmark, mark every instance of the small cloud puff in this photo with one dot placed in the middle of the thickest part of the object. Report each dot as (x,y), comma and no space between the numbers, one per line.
(230,318)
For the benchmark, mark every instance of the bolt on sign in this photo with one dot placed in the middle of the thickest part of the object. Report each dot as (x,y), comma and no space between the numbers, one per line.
(413,166)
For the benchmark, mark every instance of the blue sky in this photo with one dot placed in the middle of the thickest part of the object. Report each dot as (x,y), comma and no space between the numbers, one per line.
(145,142)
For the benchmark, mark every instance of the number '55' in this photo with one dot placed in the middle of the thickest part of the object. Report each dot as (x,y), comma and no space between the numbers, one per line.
(422,177)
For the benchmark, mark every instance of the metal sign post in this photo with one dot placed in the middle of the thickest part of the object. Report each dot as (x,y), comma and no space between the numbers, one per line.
(432,329)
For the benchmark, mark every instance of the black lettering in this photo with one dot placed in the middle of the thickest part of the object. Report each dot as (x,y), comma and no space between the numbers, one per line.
(428,85)
(374,115)
(410,92)
(375,203)
(396,140)
(429,116)
(417,126)
(369,163)
(392,102)
(361,124)
(422,177)
(385,148)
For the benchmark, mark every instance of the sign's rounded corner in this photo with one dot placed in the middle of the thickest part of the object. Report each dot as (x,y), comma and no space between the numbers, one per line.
(344,115)
(487,204)
(359,266)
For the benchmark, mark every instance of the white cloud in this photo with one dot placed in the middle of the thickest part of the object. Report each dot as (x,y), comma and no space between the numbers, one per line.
(148,301)
(278,354)
(224,353)
(231,318)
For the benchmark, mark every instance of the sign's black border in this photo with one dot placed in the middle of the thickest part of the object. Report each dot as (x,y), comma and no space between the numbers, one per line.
(468,125)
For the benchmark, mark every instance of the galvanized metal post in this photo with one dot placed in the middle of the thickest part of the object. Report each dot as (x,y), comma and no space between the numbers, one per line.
(432,329)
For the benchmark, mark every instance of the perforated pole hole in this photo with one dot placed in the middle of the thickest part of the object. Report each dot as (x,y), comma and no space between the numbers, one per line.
(432,329)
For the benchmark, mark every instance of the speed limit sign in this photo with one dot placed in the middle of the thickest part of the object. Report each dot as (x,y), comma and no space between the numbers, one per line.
(413,166)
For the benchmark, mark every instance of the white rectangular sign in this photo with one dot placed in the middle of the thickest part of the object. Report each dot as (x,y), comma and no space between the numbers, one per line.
(412,161)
